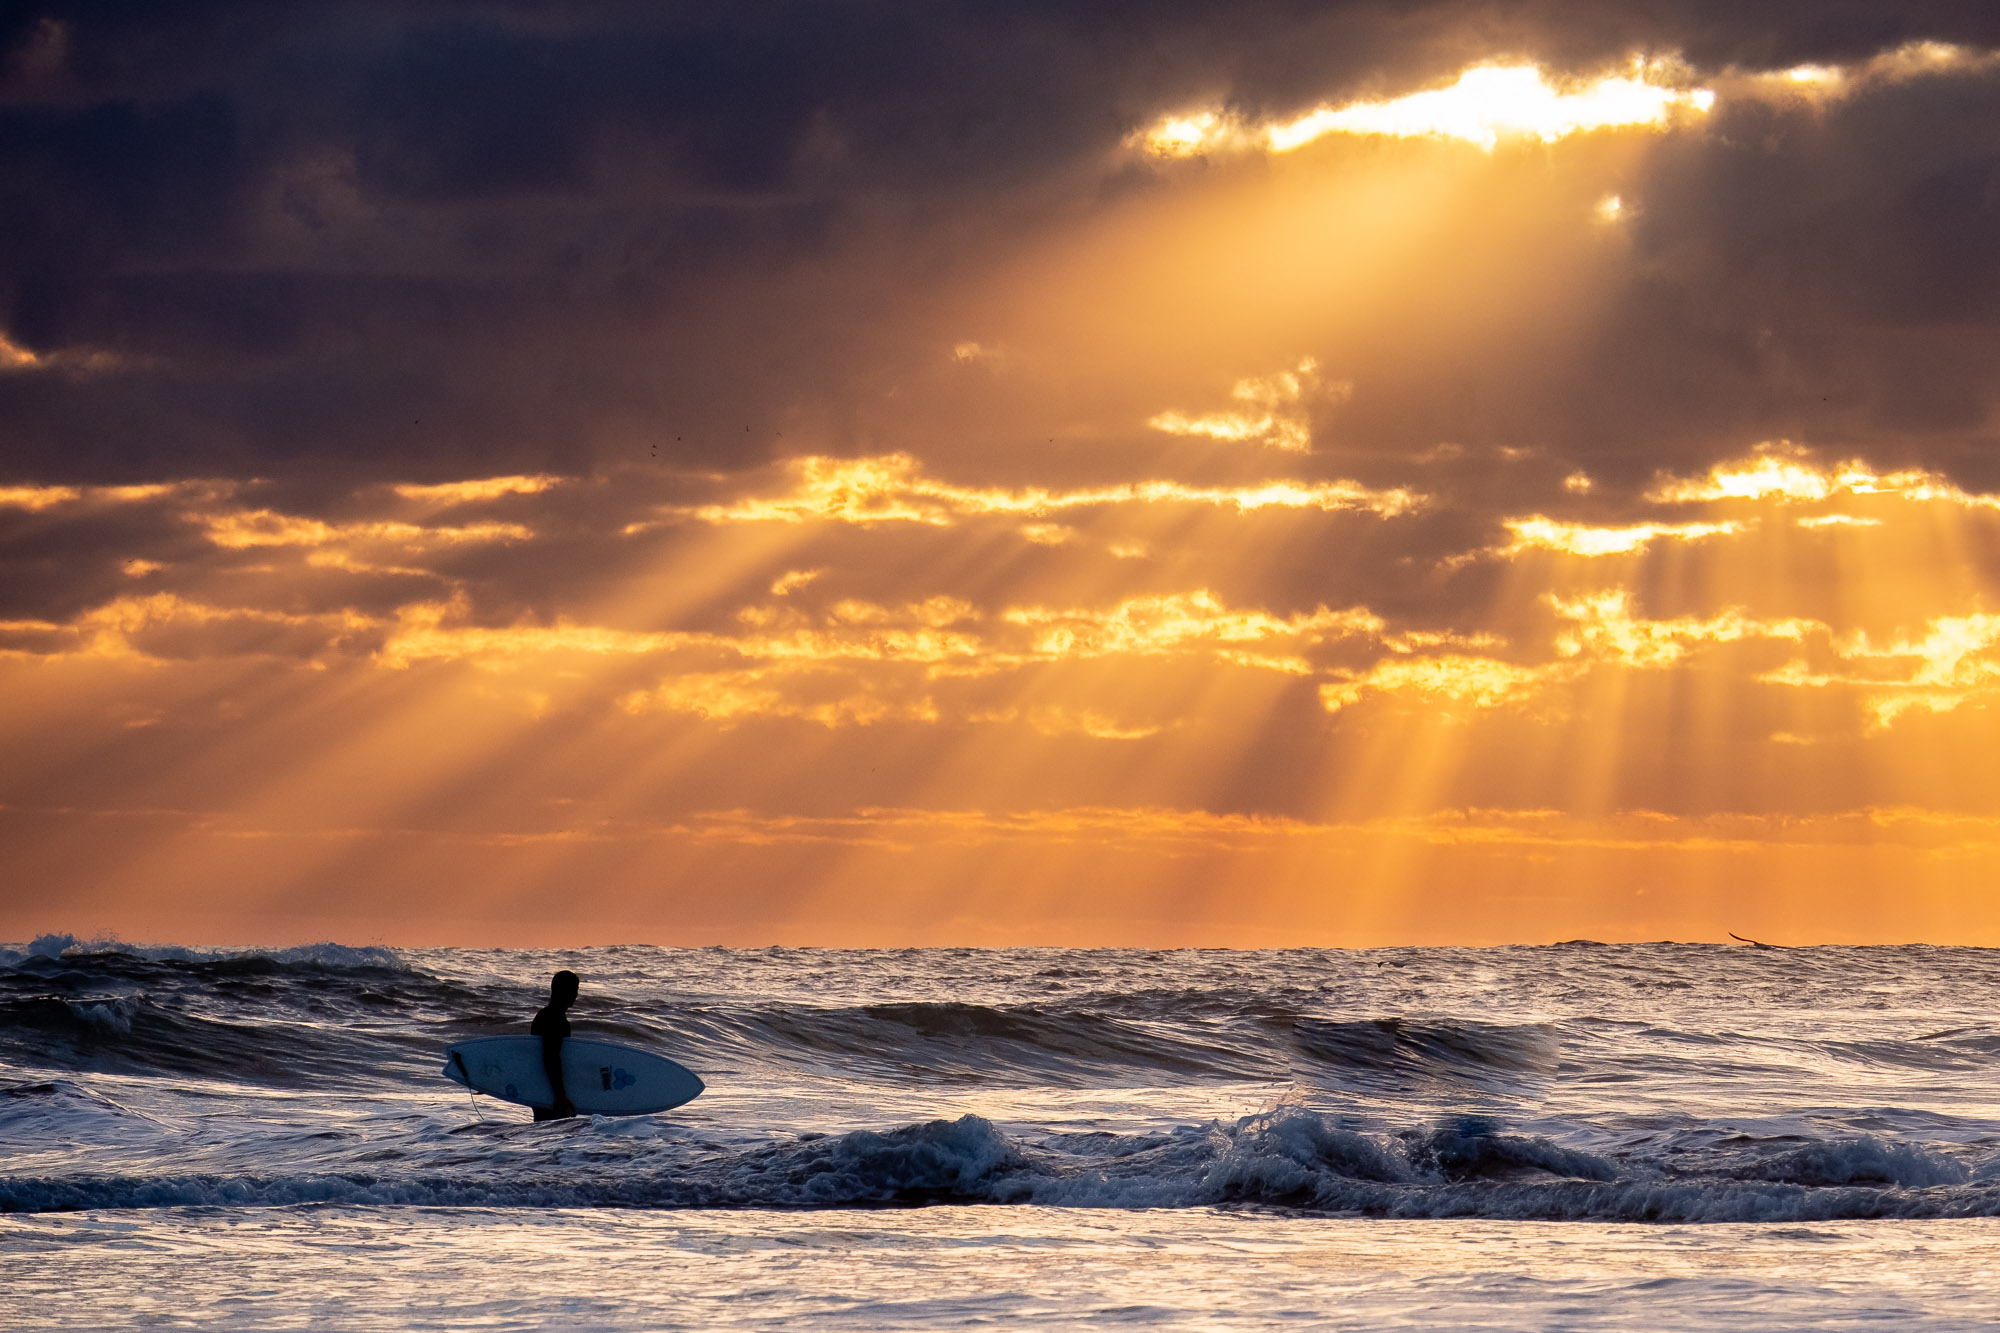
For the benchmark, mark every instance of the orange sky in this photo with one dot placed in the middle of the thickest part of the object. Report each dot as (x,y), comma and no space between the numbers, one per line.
(1415,514)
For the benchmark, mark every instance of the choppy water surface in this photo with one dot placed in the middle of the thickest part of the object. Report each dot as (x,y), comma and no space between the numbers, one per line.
(1432,1137)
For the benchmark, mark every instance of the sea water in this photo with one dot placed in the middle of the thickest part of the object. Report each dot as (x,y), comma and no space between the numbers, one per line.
(1577,1136)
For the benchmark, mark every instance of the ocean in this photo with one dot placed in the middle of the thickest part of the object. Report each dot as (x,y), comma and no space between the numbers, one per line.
(1577,1136)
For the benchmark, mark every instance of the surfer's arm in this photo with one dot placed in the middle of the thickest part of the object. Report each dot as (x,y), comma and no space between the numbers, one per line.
(553,1066)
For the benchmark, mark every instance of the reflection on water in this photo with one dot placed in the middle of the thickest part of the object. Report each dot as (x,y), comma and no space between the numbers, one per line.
(368,1269)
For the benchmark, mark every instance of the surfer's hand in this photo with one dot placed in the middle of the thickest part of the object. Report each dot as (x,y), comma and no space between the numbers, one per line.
(564,1107)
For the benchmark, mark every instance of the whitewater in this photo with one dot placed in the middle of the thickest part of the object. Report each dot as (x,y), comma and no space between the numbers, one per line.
(1572,1136)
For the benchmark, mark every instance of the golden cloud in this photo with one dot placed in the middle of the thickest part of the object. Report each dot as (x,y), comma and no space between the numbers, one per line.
(246,528)
(1602,628)
(1156,625)
(1820,84)
(135,628)
(892,488)
(1272,411)
(468,492)
(1785,473)
(38,498)
(1490,102)
(1588,541)
(1600,631)
(1451,679)
(725,696)
(882,661)
(1956,659)
(1483,105)
(79,361)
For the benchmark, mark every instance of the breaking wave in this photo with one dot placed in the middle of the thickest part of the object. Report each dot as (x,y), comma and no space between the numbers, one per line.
(1291,1159)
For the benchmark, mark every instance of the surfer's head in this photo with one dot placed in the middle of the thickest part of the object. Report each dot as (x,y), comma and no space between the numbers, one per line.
(562,989)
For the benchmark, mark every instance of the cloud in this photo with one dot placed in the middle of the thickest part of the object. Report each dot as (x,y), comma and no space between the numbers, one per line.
(893,488)
(162,626)
(1273,411)
(1583,539)
(1483,105)
(1785,473)
(40,497)
(471,492)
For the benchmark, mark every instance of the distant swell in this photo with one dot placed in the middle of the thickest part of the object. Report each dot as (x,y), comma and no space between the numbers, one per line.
(964,1042)
(1400,1053)
(325,956)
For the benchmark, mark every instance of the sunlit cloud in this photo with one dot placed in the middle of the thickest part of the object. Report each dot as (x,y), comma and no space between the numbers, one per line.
(1953,661)
(13,356)
(37,498)
(1452,679)
(936,630)
(970,353)
(76,361)
(1784,472)
(1192,134)
(1056,720)
(1829,83)
(853,631)
(1150,626)
(893,488)
(1597,631)
(1484,105)
(164,626)
(469,492)
(727,696)
(1603,628)
(1491,102)
(1588,541)
(792,580)
(1272,410)
(1810,521)
(247,528)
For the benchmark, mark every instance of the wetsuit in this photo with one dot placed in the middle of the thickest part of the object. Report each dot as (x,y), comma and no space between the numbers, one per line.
(552,1025)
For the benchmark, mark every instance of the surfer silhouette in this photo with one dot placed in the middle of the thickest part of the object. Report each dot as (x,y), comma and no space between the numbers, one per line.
(552,1025)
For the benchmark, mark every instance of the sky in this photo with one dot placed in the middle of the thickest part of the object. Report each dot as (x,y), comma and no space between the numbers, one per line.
(1247,474)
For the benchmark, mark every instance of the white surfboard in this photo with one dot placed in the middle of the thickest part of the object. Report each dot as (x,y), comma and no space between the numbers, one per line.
(601,1077)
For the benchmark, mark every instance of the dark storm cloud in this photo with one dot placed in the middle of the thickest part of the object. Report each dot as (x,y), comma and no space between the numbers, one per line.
(445,239)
